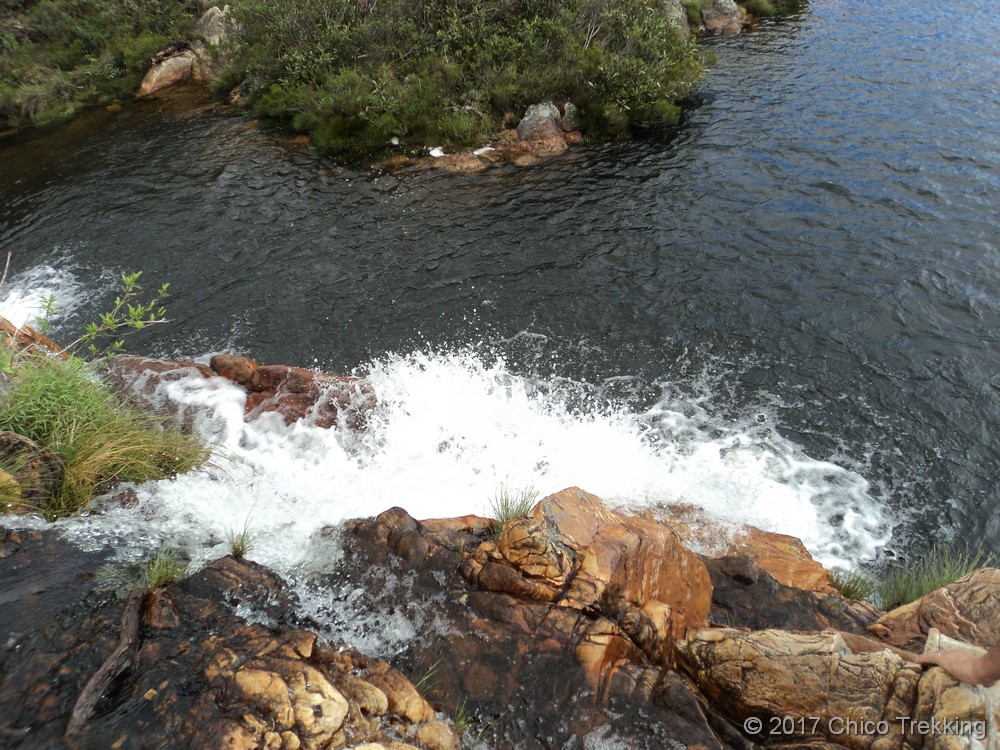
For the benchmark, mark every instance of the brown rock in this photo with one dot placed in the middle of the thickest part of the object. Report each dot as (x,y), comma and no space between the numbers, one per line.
(169,72)
(27,337)
(540,122)
(817,686)
(965,609)
(783,556)
(235,367)
(576,553)
(722,17)
(745,595)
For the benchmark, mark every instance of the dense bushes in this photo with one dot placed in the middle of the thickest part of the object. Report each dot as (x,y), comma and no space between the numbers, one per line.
(355,73)
(56,55)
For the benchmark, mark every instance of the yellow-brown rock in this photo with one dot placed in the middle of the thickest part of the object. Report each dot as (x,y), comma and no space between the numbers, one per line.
(811,687)
(783,556)
(966,610)
(577,553)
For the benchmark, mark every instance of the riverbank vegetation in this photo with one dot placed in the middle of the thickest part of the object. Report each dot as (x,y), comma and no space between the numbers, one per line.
(903,583)
(356,74)
(97,438)
(59,55)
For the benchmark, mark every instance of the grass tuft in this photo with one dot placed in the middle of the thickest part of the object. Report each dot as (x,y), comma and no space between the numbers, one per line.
(852,584)
(509,503)
(163,569)
(903,584)
(60,407)
(426,682)
(241,542)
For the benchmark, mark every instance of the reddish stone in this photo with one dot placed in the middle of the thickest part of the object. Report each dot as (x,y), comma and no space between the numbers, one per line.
(235,367)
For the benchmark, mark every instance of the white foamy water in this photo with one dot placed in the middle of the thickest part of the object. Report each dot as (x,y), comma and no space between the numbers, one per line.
(23,295)
(450,429)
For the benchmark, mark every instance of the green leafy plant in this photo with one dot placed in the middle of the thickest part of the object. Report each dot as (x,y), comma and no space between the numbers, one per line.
(905,583)
(462,718)
(61,407)
(357,74)
(57,56)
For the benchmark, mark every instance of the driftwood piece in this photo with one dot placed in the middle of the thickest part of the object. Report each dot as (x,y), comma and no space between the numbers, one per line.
(121,659)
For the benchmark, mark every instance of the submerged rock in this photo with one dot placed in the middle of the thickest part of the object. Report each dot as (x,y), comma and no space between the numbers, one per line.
(296,393)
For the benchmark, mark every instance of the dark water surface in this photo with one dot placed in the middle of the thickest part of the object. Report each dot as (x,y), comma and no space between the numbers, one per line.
(821,236)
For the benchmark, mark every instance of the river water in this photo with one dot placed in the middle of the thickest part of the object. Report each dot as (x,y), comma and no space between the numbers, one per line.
(786,311)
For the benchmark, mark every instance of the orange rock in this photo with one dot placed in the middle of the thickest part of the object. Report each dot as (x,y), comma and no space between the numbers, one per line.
(783,556)
(575,551)
(235,367)
(27,337)
(966,610)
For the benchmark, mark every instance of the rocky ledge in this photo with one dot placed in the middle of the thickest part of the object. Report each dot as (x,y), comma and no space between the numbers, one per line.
(574,624)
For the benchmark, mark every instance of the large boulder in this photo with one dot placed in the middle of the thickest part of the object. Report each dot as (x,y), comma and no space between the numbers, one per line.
(570,612)
(966,610)
(540,122)
(214,25)
(722,17)
(812,688)
(678,18)
(576,553)
(171,71)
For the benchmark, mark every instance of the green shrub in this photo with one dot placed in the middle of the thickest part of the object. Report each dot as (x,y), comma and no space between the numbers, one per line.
(905,583)
(82,52)
(355,74)
(64,410)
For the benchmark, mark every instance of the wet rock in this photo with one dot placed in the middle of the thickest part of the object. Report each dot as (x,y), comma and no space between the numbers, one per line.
(818,687)
(780,555)
(722,17)
(25,338)
(235,367)
(745,595)
(201,671)
(36,474)
(965,609)
(540,122)
(570,613)
(296,393)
